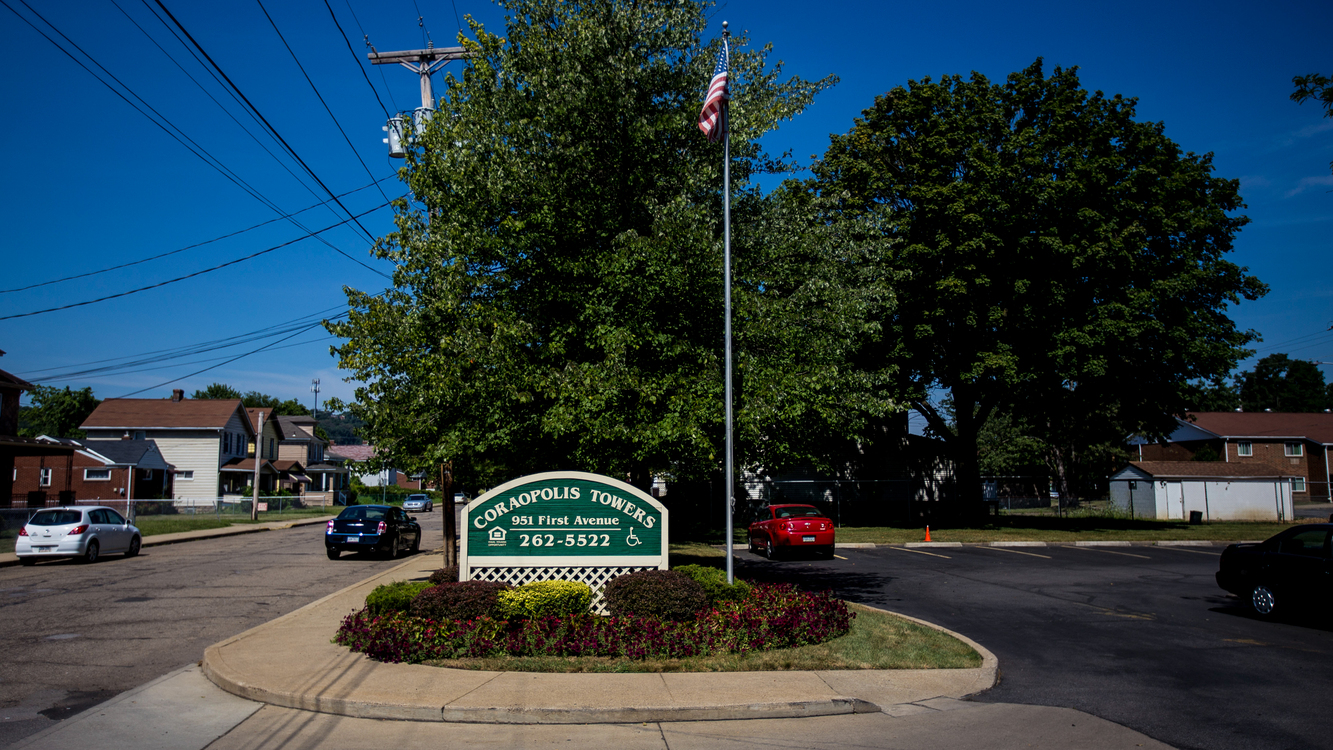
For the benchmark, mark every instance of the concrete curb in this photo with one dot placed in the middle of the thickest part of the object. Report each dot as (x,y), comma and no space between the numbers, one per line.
(9,558)
(282,664)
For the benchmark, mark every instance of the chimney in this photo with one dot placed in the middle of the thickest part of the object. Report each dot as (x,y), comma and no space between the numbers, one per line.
(177,394)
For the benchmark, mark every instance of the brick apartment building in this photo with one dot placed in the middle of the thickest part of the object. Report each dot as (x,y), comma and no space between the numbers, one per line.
(100,470)
(1296,444)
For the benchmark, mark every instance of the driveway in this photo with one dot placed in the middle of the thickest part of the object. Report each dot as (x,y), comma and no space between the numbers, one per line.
(1141,636)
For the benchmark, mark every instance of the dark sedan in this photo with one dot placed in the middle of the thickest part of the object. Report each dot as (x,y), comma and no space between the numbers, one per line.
(1285,573)
(380,528)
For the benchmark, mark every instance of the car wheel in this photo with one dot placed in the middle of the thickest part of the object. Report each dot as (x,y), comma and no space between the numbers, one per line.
(333,552)
(135,544)
(90,554)
(393,549)
(416,544)
(769,551)
(27,561)
(1263,600)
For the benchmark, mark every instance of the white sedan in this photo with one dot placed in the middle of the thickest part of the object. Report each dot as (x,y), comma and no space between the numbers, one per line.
(421,503)
(81,532)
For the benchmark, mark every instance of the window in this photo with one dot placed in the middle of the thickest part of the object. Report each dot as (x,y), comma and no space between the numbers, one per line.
(44,478)
(97,475)
(138,434)
(271,454)
(1244,449)
(185,476)
(147,473)
(1293,449)
(1298,484)
(1304,543)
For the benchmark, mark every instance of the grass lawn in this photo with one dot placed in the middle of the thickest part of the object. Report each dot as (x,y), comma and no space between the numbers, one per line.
(878,640)
(1070,529)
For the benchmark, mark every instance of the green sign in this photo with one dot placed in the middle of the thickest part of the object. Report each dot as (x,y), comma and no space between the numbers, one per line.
(565,518)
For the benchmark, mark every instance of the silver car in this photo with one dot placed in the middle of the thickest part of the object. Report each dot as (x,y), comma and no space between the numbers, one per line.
(82,532)
(420,503)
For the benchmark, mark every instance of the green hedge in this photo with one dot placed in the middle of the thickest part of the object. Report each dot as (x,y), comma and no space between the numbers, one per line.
(661,594)
(546,599)
(714,583)
(394,597)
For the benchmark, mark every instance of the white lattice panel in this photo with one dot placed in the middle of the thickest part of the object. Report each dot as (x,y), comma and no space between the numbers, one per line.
(595,576)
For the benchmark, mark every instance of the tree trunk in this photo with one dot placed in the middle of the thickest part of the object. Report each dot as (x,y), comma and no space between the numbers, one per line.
(447,506)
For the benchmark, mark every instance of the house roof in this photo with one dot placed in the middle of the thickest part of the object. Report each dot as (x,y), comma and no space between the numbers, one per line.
(247,465)
(1208,469)
(356,452)
(1266,425)
(267,411)
(122,451)
(8,380)
(151,413)
(290,428)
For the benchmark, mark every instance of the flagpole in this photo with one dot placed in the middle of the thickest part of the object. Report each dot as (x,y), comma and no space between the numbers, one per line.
(726,259)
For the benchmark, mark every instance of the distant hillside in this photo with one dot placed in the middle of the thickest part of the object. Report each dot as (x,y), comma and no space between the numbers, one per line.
(341,428)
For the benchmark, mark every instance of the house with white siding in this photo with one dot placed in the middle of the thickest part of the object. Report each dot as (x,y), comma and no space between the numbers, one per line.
(201,438)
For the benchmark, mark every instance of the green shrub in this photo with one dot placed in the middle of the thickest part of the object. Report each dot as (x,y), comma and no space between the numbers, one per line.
(466,600)
(664,594)
(444,575)
(546,599)
(714,583)
(394,597)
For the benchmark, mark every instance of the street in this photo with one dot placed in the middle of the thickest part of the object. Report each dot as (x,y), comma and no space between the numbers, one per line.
(1141,636)
(76,635)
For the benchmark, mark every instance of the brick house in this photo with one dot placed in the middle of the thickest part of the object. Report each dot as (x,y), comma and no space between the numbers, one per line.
(1299,445)
(13,447)
(99,470)
(206,440)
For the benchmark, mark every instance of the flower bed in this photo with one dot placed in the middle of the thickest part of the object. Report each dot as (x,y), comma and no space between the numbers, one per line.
(770,616)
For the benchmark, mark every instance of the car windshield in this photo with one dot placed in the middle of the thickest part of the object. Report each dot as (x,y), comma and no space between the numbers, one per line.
(416,497)
(359,513)
(56,517)
(798,511)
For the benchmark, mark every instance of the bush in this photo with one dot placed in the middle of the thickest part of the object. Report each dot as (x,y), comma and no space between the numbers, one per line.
(770,617)
(714,583)
(444,575)
(662,594)
(546,599)
(394,597)
(467,600)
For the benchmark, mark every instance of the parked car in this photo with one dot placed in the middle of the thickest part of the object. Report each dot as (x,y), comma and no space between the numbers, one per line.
(1291,570)
(379,528)
(419,502)
(780,529)
(80,532)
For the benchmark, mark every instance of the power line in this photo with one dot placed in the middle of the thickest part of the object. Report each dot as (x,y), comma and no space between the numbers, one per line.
(366,38)
(182,278)
(158,356)
(189,144)
(220,364)
(267,125)
(318,95)
(180,250)
(359,65)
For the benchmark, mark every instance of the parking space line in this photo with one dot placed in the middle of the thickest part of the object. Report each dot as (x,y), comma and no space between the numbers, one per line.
(840,557)
(1195,551)
(920,552)
(1018,552)
(1107,551)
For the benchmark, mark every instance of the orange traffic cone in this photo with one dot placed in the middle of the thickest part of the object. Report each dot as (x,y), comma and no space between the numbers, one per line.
(927,533)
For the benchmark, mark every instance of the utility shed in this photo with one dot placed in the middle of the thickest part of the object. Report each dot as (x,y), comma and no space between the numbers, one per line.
(1219,491)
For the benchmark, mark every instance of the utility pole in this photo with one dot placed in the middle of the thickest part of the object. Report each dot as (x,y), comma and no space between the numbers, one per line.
(447,506)
(259,452)
(314,386)
(423,62)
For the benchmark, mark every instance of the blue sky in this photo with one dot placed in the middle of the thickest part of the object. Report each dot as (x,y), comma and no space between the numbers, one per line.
(90,183)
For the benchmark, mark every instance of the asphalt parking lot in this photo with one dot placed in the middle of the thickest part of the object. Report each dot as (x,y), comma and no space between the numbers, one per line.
(1141,636)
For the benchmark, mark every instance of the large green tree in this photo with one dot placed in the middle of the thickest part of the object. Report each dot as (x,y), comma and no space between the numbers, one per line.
(557,301)
(1280,383)
(1316,87)
(1063,262)
(57,412)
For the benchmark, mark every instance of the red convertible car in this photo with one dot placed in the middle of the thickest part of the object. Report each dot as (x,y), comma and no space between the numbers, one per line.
(780,529)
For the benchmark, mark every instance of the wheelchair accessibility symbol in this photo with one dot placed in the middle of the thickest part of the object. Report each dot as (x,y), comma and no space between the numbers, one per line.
(631,540)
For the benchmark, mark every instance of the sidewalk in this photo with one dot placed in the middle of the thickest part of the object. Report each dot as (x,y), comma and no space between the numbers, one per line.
(282,664)
(9,558)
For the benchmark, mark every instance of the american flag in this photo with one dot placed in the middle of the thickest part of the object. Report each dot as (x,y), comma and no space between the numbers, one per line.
(710,117)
